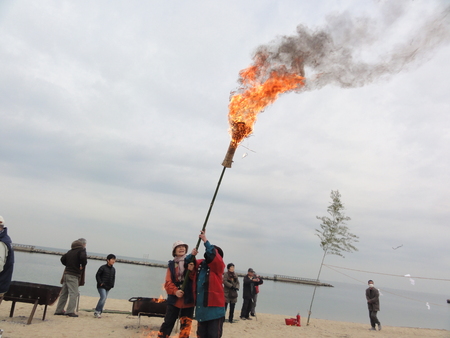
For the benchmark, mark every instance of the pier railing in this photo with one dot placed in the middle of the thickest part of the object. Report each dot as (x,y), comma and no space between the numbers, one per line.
(283,278)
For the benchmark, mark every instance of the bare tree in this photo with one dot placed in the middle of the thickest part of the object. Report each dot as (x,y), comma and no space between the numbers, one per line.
(334,235)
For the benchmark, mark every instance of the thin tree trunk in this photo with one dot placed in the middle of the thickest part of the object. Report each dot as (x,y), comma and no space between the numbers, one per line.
(315,287)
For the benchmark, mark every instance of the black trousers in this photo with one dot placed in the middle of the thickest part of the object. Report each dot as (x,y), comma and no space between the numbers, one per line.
(246,307)
(231,314)
(172,313)
(210,328)
(373,318)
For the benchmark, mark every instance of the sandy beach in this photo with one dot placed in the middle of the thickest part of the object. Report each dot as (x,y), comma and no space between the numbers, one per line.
(123,325)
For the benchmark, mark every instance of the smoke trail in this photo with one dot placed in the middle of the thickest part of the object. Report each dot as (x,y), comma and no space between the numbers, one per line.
(334,54)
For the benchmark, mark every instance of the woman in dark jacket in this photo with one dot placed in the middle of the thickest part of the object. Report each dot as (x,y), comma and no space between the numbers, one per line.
(230,287)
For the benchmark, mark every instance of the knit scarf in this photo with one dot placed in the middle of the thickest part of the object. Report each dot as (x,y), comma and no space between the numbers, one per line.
(231,275)
(180,262)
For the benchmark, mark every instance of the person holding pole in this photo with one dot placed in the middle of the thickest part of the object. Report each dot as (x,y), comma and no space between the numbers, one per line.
(180,303)
(210,298)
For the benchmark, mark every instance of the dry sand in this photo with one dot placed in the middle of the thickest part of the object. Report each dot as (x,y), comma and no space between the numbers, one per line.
(125,325)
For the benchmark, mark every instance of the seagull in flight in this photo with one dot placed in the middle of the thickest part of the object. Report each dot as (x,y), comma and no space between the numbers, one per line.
(397,247)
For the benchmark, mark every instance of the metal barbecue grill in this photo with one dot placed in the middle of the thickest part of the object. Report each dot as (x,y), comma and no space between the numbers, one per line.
(33,293)
(150,307)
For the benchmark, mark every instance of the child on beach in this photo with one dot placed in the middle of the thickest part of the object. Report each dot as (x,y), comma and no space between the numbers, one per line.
(180,304)
(106,276)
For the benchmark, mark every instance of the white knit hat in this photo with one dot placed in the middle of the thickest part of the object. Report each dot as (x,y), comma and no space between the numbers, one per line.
(178,243)
(2,221)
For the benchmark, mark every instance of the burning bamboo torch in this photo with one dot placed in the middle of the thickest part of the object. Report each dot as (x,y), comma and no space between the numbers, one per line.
(239,131)
(239,127)
(260,87)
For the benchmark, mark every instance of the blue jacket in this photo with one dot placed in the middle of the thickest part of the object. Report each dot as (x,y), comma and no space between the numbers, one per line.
(6,274)
(210,298)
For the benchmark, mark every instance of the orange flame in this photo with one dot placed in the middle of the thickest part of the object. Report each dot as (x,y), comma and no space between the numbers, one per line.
(159,300)
(187,328)
(261,84)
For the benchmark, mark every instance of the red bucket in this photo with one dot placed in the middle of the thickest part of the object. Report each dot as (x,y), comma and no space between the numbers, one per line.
(291,321)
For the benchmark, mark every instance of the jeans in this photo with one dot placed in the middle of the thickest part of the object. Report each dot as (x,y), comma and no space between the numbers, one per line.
(69,290)
(101,302)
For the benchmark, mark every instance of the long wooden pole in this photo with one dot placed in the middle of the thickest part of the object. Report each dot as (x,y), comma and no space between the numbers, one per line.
(204,225)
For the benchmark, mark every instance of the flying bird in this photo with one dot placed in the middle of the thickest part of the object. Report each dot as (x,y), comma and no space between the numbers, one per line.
(397,247)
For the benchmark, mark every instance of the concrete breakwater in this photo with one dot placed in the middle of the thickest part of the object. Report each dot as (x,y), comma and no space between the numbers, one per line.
(275,278)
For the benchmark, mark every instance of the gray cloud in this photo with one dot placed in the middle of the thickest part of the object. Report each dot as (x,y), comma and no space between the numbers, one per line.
(113,119)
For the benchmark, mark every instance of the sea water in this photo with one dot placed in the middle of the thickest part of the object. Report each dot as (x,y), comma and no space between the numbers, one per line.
(343,302)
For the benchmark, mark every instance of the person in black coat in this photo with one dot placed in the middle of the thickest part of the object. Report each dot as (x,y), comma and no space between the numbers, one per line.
(250,281)
(373,303)
(106,276)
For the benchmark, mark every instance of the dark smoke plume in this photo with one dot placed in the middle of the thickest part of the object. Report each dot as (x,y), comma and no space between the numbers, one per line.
(344,51)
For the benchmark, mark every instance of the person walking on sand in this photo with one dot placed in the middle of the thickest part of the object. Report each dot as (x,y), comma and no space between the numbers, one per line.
(230,288)
(373,302)
(180,304)
(210,298)
(6,258)
(250,281)
(75,261)
(105,276)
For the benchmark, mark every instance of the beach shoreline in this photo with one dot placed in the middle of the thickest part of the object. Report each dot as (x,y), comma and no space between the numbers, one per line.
(117,321)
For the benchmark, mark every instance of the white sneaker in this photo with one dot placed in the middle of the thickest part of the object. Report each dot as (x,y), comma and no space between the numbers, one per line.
(97,315)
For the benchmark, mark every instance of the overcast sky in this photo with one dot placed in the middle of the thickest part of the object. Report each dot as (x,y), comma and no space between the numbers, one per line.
(113,123)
